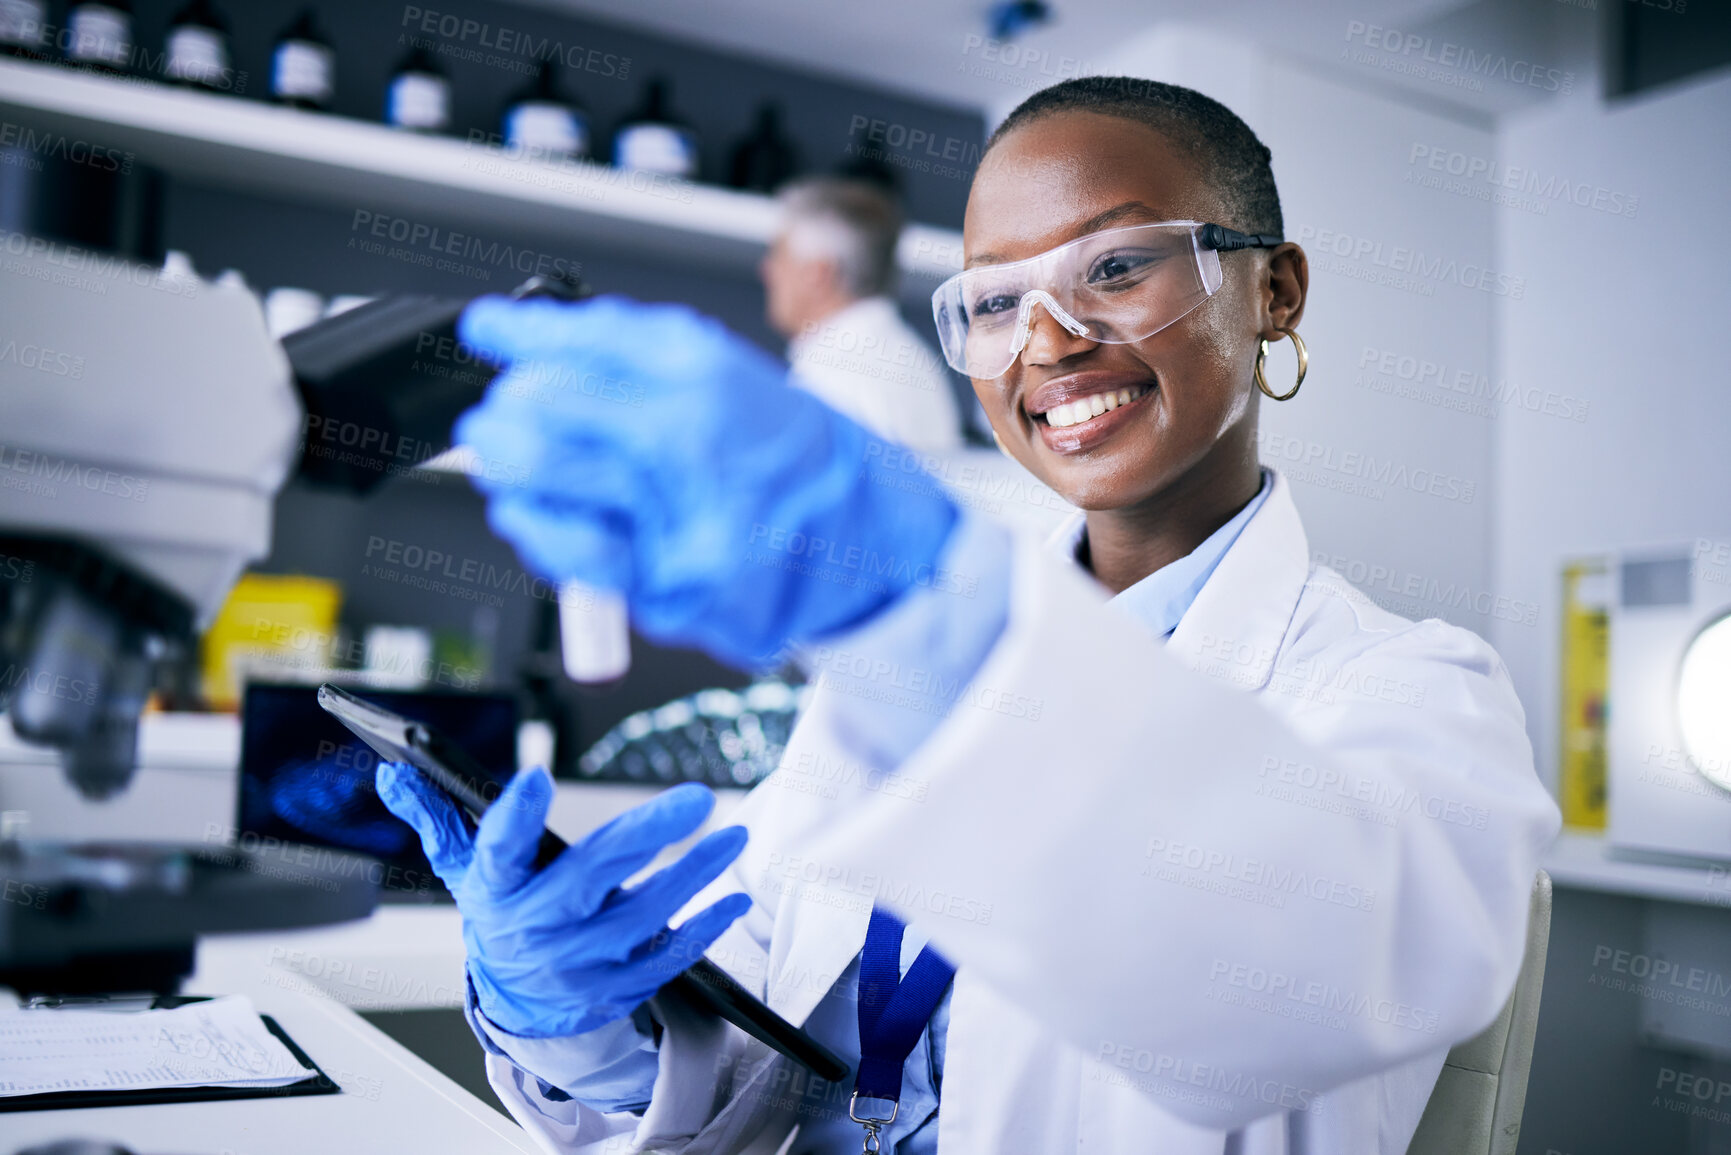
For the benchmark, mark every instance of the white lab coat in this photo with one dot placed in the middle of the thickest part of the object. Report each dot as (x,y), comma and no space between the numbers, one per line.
(865,361)
(1288,724)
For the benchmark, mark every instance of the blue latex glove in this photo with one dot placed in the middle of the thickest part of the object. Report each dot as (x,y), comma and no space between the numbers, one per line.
(563,950)
(647,449)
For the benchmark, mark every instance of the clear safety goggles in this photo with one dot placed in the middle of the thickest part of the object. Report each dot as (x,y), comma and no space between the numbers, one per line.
(1116,286)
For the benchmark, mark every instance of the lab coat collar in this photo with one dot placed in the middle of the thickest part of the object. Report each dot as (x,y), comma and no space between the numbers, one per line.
(1161,599)
(1239,620)
(1236,625)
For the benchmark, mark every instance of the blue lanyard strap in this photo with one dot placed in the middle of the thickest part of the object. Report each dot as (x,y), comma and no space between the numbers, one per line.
(893,1015)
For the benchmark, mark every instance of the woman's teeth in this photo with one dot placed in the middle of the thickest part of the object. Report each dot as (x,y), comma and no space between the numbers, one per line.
(1086,408)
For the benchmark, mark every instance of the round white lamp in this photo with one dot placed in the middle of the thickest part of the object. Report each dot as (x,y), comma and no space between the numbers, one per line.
(1704,701)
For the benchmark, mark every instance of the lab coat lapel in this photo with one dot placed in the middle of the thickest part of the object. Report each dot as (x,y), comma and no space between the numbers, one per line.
(823,940)
(1235,628)
(821,912)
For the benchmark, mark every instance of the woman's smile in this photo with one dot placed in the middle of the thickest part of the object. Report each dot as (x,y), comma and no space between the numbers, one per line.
(1079,411)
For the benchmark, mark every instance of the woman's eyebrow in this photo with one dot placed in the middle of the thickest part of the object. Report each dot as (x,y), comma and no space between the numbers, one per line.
(1116,214)
(1111,216)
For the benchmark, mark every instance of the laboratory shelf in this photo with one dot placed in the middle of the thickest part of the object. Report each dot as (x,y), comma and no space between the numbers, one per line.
(1589,862)
(357,166)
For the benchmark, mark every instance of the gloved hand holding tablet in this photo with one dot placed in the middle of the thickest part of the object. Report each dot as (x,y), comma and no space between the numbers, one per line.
(557,944)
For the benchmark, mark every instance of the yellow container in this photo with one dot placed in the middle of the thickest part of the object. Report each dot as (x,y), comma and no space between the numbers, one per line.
(1585,672)
(271,628)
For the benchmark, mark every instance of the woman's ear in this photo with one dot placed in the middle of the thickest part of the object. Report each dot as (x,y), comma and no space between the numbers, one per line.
(1288,285)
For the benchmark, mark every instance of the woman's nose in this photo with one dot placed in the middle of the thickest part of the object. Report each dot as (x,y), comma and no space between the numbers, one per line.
(1050,340)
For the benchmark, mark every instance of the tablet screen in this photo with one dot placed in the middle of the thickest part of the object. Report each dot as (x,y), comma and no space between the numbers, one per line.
(306,778)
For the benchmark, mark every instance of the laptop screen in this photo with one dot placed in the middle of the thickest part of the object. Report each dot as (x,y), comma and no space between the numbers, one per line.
(305,778)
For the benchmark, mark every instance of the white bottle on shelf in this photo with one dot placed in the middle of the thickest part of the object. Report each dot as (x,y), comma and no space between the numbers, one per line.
(303,65)
(419,97)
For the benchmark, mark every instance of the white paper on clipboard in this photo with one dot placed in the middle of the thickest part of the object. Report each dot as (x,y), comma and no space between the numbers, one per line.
(218,1043)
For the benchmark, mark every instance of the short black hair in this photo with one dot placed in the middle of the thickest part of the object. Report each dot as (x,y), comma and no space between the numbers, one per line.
(1234,162)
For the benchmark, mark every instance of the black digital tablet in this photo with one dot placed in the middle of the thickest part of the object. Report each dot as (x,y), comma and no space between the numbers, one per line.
(703,985)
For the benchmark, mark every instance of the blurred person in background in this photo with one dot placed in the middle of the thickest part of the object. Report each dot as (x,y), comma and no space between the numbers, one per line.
(827,279)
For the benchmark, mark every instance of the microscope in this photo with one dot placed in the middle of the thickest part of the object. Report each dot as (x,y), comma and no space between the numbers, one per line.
(149,421)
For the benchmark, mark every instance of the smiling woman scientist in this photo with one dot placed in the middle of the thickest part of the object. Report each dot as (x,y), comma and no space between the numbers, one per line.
(1224,856)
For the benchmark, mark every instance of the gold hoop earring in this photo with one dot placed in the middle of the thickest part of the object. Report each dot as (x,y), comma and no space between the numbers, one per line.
(1303,366)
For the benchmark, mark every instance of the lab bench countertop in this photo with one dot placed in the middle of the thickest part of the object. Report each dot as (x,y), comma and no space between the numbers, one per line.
(390,1101)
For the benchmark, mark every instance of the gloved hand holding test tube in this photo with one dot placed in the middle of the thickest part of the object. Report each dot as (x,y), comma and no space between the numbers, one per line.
(388,379)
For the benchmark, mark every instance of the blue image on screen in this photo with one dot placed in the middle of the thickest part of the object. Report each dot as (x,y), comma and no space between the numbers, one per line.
(306,779)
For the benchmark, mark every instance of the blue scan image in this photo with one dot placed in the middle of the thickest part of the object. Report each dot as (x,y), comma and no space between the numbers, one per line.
(336,803)
(307,780)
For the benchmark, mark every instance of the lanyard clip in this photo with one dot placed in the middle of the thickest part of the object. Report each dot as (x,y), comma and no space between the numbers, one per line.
(872,1123)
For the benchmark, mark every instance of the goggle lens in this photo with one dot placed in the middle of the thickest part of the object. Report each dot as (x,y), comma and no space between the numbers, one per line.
(1120,285)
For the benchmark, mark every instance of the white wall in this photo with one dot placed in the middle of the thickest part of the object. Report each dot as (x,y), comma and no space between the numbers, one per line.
(1629,314)
(1342,160)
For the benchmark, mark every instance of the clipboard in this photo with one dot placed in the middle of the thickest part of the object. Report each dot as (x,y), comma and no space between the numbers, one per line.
(316,1082)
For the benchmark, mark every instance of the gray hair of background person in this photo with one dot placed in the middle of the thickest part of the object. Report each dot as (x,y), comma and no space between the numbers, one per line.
(850,222)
